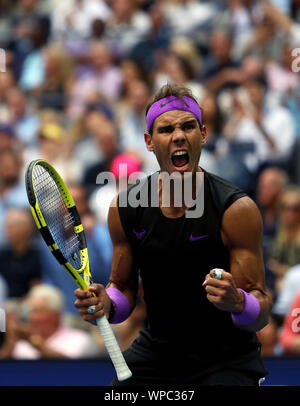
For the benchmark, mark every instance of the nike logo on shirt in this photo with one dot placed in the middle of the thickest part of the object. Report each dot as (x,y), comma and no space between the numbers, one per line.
(192,238)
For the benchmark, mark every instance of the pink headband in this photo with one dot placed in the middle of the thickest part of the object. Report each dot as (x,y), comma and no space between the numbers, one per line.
(172,103)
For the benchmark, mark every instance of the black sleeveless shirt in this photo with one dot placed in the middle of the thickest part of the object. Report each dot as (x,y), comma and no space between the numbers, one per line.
(173,256)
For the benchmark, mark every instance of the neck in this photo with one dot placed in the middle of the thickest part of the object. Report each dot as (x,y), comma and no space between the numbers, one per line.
(177,192)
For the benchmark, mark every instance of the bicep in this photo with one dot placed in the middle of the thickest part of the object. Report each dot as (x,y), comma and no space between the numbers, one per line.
(242,235)
(124,275)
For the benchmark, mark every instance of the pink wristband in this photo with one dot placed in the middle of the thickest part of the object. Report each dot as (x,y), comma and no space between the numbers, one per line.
(250,312)
(121,303)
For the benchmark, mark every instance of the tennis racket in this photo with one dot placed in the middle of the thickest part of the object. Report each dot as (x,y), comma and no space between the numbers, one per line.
(58,221)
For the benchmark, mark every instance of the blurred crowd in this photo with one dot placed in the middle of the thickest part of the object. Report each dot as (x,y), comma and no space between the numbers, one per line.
(75,79)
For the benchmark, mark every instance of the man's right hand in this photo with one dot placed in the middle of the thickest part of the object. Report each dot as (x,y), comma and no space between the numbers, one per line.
(96,296)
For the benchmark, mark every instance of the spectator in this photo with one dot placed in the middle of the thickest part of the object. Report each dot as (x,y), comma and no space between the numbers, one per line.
(289,337)
(126,27)
(43,334)
(85,133)
(220,71)
(32,72)
(7,81)
(8,139)
(131,71)
(3,293)
(267,37)
(185,17)
(123,167)
(107,142)
(21,266)
(55,146)
(51,94)
(22,117)
(287,294)
(101,77)
(12,188)
(272,182)
(149,50)
(286,248)
(239,18)
(30,27)
(214,127)
(179,68)
(252,131)
(132,123)
(72,20)
(279,75)
(6,8)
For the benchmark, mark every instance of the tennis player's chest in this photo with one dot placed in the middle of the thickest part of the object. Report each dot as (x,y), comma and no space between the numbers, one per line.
(157,235)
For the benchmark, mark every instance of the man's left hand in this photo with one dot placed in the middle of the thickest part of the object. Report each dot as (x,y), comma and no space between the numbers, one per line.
(223,293)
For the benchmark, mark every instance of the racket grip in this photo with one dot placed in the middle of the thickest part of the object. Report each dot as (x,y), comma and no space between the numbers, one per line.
(113,349)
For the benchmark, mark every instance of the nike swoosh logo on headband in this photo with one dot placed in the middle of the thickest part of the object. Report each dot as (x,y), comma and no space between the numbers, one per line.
(164,104)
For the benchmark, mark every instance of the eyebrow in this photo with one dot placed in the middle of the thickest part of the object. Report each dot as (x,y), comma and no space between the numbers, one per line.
(189,121)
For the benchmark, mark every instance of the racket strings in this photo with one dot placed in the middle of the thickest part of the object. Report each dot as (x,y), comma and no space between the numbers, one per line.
(58,219)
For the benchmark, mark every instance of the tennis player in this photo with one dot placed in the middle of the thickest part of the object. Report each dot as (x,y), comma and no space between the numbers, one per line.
(202,322)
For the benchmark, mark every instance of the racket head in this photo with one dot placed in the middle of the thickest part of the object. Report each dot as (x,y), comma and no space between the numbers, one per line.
(57,219)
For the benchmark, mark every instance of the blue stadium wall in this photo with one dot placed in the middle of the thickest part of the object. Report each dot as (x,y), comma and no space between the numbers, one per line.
(282,371)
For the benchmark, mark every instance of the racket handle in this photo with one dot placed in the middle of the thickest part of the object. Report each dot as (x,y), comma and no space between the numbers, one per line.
(113,349)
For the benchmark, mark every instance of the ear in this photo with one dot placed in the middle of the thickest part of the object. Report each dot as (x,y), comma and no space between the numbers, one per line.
(148,142)
(204,135)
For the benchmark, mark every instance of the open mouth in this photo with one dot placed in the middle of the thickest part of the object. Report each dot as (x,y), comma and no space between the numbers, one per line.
(180,158)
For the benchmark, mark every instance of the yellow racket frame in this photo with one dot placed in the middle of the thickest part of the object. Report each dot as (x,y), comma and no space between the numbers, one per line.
(85,280)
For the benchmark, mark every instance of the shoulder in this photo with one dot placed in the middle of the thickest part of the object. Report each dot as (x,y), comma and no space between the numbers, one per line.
(243,211)
(242,223)
(243,206)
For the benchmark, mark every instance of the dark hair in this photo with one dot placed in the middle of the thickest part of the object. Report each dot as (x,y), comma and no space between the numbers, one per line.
(172,89)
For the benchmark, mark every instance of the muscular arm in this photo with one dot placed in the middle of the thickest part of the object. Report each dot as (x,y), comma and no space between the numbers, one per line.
(242,235)
(124,275)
